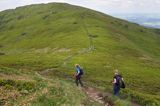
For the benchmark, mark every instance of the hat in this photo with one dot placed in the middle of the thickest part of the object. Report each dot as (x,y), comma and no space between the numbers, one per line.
(77,65)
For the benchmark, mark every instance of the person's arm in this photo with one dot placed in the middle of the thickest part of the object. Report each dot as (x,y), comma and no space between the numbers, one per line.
(114,81)
(122,79)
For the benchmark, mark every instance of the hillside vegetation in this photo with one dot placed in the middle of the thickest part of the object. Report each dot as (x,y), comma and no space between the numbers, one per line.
(56,36)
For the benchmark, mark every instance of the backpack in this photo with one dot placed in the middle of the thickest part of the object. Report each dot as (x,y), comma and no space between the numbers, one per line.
(120,82)
(81,72)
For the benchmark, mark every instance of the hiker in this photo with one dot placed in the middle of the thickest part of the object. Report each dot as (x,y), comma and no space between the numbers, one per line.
(78,75)
(117,83)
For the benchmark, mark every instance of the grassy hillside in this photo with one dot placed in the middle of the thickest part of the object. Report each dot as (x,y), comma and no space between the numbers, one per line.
(57,36)
(26,88)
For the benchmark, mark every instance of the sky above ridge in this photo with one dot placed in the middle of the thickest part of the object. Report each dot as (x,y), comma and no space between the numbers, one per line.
(106,6)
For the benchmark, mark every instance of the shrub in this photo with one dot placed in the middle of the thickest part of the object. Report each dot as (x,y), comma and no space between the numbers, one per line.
(19,85)
(141,30)
(20,17)
(112,22)
(93,36)
(126,26)
(6,70)
(25,85)
(7,82)
(45,17)
(75,23)
(2,53)
(7,86)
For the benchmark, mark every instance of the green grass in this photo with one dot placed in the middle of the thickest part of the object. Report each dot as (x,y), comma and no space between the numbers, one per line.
(57,36)
(41,90)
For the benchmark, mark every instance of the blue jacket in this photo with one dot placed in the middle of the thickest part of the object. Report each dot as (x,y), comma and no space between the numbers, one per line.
(78,70)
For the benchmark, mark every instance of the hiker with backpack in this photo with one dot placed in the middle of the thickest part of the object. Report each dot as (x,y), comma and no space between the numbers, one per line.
(118,83)
(78,75)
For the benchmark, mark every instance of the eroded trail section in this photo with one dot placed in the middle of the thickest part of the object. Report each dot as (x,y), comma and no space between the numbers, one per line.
(98,96)
(102,97)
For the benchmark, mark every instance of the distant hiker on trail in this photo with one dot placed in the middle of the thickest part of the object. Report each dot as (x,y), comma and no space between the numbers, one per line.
(78,75)
(117,83)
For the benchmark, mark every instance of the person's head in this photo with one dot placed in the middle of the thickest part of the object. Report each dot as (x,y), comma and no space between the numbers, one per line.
(116,72)
(77,65)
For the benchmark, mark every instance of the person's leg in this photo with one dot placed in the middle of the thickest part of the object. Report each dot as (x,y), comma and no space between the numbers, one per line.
(116,90)
(76,81)
(80,81)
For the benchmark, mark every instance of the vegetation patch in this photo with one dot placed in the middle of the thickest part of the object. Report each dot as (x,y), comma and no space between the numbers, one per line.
(19,85)
(143,99)
(9,71)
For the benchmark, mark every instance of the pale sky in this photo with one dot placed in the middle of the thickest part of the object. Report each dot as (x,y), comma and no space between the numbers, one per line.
(106,6)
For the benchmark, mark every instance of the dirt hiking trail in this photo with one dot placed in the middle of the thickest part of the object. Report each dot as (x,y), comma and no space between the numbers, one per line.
(101,97)
(98,96)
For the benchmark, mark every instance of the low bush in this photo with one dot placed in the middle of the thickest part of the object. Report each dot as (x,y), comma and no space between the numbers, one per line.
(6,70)
(19,85)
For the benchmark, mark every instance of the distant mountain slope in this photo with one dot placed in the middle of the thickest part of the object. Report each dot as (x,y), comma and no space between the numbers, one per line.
(148,20)
(58,35)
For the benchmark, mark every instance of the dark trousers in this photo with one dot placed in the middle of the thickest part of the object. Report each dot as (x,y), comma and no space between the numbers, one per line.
(78,80)
(116,90)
